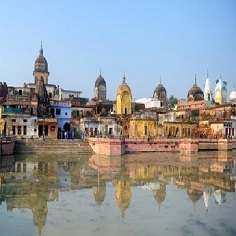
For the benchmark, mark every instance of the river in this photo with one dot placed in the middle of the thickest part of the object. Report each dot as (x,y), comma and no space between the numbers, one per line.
(133,194)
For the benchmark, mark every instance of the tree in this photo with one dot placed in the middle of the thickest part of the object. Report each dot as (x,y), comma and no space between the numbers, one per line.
(173,101)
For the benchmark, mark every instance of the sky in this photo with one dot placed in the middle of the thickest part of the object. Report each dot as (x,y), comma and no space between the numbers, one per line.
(148,41)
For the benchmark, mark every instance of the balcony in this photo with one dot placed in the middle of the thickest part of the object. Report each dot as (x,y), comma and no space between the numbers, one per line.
(15,111)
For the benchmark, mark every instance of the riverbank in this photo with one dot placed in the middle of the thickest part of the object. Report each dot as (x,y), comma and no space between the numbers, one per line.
(75,146)
(119,146)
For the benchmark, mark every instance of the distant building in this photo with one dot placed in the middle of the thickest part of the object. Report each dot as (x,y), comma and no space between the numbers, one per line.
(100,89)
(160,94)
(207,90)
(221,91)
(124,99)
(195,93)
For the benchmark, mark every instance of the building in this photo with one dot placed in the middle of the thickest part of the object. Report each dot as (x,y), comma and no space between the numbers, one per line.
(100,89)
(161,95)
(221,91)
(124,99)
(207,90)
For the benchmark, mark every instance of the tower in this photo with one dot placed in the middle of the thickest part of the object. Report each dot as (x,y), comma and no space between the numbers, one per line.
(207,90)
(160,94)
(124,99)
(221,91)
(41,68)
(100,89)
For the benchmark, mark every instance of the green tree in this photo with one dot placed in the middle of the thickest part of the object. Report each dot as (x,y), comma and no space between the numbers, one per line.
(173,101)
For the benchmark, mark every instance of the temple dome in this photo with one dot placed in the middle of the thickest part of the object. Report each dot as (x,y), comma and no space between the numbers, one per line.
(195,93)
(124,86)
(160,92)
(232,96)
(100,81)
(41,64)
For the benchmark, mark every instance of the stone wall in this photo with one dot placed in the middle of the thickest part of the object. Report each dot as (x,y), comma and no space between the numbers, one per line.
(52,146)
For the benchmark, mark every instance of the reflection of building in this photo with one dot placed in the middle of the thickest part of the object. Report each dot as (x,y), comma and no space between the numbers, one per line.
(99,192)
(123,192)
(220,196)
(160,193)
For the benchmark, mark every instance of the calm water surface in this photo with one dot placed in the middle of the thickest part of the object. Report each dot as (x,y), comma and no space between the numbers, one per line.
(136,194)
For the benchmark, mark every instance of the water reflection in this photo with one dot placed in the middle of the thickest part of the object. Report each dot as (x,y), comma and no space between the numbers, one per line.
(32,182)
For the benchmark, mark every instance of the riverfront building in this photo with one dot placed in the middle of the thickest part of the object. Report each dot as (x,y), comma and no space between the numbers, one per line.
(41,107)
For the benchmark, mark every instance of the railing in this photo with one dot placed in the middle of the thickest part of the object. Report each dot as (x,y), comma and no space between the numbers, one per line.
(10,110)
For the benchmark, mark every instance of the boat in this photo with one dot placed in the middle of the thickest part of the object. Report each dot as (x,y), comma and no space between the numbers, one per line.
(7,145)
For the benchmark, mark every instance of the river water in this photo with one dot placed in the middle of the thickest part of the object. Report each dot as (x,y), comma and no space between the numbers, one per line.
(134,194)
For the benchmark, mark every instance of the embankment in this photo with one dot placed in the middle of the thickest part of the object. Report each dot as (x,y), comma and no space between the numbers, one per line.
(52,146)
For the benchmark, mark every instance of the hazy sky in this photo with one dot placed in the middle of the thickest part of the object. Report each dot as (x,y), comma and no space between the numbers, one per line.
(145,39)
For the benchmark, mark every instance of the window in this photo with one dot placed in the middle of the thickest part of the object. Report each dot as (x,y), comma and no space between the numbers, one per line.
(14,130)
(24,120)
(58,111)
(20,92)
(19,130)
(65,113)
(18,167)
(24,168)
(25,130)
(145,130)
(13,120)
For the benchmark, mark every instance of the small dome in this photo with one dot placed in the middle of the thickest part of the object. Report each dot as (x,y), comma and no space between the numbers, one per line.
(100,81)
(41,64)
(195,93)
(160,92)
(232,96)
(124,86)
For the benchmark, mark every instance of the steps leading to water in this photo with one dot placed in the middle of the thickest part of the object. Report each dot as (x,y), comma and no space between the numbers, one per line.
(52,146)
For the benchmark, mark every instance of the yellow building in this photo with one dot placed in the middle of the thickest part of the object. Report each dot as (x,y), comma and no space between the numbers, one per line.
(221,92)
(140,127)
(124,99)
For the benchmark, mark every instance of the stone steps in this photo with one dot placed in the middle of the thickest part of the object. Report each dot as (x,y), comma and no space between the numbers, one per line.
(52,146)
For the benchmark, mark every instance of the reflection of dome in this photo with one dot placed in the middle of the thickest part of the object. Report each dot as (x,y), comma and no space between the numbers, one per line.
(41,64)
(232,96)
(194,194)
(40,212)
(220,196)
(195,93)
(123,194)
(99,193)
(160,194)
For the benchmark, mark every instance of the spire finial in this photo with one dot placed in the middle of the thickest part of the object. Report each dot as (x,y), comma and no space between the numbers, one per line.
(100,71)
(160,79)
(123,80)
(195,79)
(207,73)
(41,49)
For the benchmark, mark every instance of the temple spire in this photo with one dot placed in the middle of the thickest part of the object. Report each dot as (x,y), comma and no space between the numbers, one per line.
(41,49)
(195,79)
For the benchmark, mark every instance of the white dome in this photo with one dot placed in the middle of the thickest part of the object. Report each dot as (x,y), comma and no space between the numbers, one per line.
(232,96)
